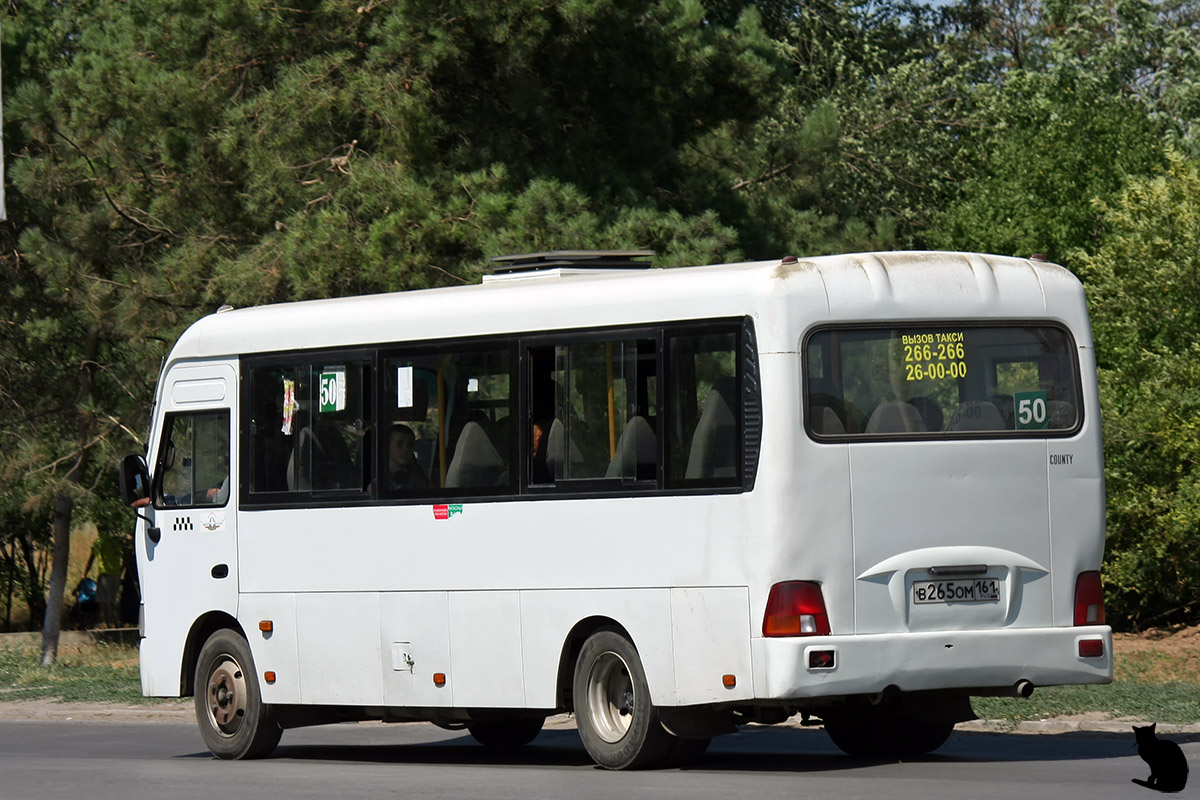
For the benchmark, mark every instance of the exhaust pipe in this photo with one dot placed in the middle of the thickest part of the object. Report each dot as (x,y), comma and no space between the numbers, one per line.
(1023,688)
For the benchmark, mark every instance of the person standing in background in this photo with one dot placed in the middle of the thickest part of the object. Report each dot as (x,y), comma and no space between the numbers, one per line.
(106,551)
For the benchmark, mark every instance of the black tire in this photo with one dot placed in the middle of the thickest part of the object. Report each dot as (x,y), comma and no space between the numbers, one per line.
(884,734)
(619,727)
(233,720)
(506,732)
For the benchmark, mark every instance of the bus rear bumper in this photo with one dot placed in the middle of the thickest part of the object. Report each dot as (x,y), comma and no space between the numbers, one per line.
(995,660)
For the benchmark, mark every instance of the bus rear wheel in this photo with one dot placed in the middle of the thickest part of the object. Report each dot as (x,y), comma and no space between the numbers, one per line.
(506,732)
(233,720)
(619,727)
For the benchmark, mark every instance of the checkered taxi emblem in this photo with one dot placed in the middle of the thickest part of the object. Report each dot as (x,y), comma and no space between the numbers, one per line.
(182,524)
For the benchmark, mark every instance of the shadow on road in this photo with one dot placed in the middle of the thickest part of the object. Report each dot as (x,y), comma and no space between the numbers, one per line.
(757,749)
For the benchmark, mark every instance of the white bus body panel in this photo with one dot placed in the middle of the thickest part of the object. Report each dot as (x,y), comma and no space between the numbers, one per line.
(275,651)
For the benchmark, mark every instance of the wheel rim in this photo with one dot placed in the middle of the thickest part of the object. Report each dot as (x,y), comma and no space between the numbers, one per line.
(610,697)
(226,694)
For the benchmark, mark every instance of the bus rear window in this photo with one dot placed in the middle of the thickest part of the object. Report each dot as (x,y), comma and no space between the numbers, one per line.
(941,381)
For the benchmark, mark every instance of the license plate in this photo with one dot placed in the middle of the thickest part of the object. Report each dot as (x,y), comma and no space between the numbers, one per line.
(968,590)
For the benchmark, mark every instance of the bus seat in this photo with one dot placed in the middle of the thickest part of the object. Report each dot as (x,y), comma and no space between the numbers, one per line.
(931,412)
(299,470)
(825,420)
(321,460)
(713,453)
(1060,414)
(559,448)
(977,415)
(1005,405)
(476,461)
(636,453)
(334,465)
(501,433)
(897,417)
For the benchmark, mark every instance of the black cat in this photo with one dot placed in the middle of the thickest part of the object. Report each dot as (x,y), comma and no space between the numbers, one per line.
(1168,766)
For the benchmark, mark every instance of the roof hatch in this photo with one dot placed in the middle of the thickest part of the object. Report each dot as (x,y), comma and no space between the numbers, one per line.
(568,261)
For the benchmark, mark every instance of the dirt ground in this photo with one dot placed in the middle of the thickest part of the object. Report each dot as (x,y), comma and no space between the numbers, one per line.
(1159,655)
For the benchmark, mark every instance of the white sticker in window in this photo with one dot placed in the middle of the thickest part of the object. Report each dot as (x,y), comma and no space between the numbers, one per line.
(404,387)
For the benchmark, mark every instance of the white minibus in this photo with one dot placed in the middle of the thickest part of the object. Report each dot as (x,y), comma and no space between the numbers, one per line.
(856,488)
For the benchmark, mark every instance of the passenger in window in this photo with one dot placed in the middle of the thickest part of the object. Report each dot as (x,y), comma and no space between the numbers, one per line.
(541,417)
(219,493)
(404,471)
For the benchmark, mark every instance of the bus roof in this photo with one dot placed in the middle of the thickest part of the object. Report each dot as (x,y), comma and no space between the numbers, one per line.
(863,287)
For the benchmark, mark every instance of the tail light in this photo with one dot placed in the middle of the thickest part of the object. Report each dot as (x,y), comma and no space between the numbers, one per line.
(1089,599)
(796,608)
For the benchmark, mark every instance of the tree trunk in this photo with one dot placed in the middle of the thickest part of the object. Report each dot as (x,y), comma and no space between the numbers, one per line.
(52,623)
(64,506)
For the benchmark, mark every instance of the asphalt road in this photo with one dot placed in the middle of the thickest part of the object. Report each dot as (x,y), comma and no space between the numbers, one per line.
(105,760)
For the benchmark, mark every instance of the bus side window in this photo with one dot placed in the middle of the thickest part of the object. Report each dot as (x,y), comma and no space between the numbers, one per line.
(592,411)
(449,418)
(194,462)
(702,399)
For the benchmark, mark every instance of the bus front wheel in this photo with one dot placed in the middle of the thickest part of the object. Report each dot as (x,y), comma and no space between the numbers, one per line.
(619,727)
(233,720)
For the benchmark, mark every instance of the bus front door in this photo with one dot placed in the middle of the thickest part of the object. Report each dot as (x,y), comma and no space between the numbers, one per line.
(191,569)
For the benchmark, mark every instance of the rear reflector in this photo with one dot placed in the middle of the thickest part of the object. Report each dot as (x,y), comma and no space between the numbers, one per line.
(796,608)
(821,659)
(1091,648)
(1089,599)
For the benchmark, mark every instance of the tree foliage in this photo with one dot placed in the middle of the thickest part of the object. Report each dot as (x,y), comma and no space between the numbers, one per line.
(1145,296)
(169,156)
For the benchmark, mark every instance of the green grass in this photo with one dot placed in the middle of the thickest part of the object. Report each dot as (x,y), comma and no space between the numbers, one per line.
(1176,703)
(100,673)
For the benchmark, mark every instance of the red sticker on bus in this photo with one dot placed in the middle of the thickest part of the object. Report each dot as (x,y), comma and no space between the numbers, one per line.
(447,511)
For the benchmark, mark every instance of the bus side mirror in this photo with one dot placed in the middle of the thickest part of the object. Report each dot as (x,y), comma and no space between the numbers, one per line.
(134,479)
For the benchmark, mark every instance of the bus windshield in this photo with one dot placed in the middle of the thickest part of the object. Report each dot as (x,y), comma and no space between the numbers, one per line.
(941,381)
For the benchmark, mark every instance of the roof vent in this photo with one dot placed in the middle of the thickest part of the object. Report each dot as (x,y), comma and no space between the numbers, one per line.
(571,259)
